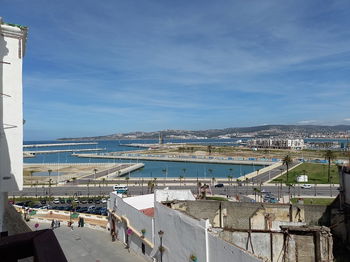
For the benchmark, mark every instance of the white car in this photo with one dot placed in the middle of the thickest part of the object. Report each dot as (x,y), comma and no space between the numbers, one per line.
(103,200)
(306,186)
(56,201)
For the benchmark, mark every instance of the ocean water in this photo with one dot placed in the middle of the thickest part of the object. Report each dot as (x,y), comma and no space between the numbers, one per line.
(160,169)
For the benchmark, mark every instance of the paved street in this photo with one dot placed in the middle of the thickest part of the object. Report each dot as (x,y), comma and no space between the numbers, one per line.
(319,190)
(88,245)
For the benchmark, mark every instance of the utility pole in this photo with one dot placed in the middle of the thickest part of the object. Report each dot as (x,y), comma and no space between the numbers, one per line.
(49,186)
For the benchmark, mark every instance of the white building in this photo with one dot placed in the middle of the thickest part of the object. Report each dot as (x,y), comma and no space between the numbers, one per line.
(12,48)
(277,143)
(160,233)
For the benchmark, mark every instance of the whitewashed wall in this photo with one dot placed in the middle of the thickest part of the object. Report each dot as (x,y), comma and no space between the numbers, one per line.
(183,236)
(169,195)
(137,220)
(220,250)
(11,115)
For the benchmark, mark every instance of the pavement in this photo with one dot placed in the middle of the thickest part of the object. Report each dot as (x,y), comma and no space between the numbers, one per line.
(88,245)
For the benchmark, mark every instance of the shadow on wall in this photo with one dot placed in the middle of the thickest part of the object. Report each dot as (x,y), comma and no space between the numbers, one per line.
(5,163)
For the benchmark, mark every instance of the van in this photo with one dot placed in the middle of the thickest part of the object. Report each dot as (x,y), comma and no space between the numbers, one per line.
(120,189)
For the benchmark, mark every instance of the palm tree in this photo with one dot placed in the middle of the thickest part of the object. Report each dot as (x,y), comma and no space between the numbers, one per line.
(149,186)
(256,190)
(31,177)
(287,160)
(127,181)
(230,179)
(209,149)
(329,155)
(181,177)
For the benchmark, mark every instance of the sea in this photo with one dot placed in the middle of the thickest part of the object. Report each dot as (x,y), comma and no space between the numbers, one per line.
(158,169)
(155,169)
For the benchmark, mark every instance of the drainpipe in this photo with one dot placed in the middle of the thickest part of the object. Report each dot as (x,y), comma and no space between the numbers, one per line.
(206,240)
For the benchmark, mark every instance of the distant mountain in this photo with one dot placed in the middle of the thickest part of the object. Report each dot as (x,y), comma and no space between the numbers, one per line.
(301,131)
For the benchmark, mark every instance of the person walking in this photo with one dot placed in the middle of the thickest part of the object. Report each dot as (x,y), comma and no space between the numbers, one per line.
(52,224)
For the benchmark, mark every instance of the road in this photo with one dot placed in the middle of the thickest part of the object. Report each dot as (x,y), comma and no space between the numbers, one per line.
(230,190)
(89,245)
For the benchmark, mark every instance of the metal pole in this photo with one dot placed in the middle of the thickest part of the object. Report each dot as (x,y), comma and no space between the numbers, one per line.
(161,249)
(49,186)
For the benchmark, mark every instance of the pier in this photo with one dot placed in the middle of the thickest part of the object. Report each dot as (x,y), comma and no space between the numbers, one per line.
(177,158)
(61,151)
(60,144)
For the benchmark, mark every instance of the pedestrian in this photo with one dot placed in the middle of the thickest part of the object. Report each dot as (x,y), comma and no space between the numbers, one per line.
(71,225)
(52,224)
(59,223)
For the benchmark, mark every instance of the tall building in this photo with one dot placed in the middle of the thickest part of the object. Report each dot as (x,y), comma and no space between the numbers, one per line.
(12,48)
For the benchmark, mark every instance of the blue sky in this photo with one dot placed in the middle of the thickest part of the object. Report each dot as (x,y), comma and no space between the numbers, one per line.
(103,67)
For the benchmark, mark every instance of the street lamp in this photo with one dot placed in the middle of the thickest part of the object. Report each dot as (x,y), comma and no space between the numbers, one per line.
(49,186)
(161,249)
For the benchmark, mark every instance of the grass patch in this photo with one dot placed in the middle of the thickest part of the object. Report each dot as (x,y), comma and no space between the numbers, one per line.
(315,201)
(217,198)
(317,174)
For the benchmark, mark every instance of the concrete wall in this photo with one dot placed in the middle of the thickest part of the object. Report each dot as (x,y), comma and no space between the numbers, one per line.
(237,214)
(134,220)
(277,246)
(170,195)
(14,221)
(11,115)
(220,250)
(183,236)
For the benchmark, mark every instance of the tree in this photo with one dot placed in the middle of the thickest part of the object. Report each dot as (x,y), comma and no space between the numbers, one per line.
(149,186)
(256,191)
(31,177)
(209,149)
(329,155)
(287,160)
(230,179)
(127,181)
(181,177)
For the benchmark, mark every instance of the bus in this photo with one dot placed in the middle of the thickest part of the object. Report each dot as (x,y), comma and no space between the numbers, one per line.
(120,189)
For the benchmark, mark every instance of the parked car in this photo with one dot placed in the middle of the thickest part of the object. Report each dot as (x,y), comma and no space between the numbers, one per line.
(273,200)
(76,201)
(69,201)
(83,201)
(91,208)
(90,201)
(56,201)
(97,201)
(219,185)
(104,201)
(62,201)
(43,202)
(83,210)
(306,186)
